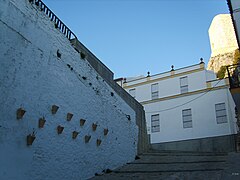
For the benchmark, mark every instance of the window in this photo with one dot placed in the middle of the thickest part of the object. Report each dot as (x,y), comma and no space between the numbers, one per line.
(154,90)
(132,92)
(184,84)
(155,124)
(187,118)
(221,114)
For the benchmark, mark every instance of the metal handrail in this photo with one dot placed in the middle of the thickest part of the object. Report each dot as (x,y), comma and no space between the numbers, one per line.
(234,75)
(58,23)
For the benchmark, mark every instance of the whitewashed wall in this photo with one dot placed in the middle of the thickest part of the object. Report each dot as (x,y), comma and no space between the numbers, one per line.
(210,75)
(204,122)
(34,78)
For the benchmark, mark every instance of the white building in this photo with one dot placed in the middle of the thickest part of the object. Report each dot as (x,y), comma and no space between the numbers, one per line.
(234,6)
(186,109)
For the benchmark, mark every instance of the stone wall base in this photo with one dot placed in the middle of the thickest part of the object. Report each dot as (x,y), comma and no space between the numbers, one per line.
(210,144)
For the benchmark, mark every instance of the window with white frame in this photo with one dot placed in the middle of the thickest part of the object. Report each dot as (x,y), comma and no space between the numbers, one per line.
(132,92)
(184,84)
(154,91)
(221,113)
(155,124)
(187,118)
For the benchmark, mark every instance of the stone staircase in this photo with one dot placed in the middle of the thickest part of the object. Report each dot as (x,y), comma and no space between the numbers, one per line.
(172,165)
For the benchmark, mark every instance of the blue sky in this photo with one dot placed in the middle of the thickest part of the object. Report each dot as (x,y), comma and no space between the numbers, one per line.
(132,37)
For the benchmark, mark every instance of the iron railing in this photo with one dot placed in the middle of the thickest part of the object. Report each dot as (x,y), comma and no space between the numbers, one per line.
(234,75)
(58,23)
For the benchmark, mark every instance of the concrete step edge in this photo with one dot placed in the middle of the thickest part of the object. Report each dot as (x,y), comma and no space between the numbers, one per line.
(171,171)
(177,162)
(169,151)
(159,154)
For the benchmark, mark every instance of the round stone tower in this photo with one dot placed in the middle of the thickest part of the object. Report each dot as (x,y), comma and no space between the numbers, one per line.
(223,42)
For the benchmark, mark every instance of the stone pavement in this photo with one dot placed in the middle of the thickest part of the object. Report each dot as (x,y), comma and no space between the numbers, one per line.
(179,166)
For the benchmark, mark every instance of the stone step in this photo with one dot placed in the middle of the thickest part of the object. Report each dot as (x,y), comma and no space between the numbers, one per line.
(167,153)
(172,161)
(171,167)
(177,159)
(213,175)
